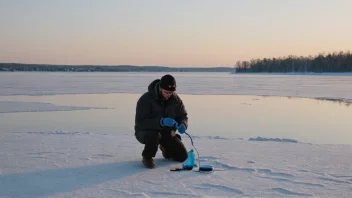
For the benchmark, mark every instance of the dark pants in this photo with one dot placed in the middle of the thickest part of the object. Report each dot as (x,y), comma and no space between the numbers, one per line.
(151,139)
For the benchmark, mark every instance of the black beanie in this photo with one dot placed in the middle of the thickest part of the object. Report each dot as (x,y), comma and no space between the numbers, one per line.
(168,82)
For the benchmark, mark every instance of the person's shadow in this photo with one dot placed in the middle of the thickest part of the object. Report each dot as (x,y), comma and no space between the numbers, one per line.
(50,182)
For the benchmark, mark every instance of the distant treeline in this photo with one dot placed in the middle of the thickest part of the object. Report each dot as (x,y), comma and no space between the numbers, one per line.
(98,68)
(332,62)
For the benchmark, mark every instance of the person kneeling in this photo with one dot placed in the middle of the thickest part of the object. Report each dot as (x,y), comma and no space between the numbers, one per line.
(160,113)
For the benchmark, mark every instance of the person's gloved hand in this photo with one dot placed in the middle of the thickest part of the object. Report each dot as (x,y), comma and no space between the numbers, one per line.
(181,128)
(167,122)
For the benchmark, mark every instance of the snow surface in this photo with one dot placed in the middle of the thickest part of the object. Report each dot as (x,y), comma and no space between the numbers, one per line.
(17,106)
(324,86)
(70,163)
(75,164)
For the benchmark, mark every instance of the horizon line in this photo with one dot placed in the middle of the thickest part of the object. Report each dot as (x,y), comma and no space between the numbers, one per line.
(233,65)
(119,65)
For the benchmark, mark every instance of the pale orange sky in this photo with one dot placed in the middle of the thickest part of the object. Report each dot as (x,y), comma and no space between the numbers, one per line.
(199,33)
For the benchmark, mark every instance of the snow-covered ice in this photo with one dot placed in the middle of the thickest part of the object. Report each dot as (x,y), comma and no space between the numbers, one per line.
(17,106)
(73,164)
(332,86)
(82,144)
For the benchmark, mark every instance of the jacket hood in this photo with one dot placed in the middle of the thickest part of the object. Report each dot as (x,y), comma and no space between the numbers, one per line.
(153,89)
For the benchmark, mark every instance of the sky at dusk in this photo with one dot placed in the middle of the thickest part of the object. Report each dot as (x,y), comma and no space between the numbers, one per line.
(183,33)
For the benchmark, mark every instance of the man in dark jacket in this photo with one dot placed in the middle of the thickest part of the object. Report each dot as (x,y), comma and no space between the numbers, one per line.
(160,112)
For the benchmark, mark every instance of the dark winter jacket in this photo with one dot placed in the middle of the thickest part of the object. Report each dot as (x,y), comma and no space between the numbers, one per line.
(151,107)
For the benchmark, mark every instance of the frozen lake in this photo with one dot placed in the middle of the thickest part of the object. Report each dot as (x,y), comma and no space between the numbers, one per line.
(336,86)
(71,135)
(218,104)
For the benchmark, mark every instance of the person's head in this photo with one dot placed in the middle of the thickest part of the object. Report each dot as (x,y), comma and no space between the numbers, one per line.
(167,86)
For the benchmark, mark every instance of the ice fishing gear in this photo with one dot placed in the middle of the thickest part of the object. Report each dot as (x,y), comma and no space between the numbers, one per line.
(190,163)
(194,149)
(206,168)
(201,168)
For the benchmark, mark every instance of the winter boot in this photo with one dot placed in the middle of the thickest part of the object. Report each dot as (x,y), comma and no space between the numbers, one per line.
(148,162)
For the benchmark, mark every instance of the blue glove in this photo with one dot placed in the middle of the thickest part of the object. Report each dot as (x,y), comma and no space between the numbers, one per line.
(167,122)
(181,128)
